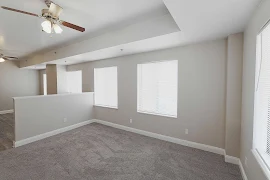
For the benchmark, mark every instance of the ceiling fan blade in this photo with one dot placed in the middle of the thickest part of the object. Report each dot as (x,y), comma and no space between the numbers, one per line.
(9,58)
(73,26)
(19,11)
(55,10)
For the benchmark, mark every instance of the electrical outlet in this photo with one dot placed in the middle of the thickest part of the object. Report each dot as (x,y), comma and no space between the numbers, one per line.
(65,119)
(186,131)
(246,161)
(130,120)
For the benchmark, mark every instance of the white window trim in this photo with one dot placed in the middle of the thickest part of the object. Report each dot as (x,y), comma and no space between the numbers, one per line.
(260,157)
(103,106)
(157,114)
(261,162)
(153,113)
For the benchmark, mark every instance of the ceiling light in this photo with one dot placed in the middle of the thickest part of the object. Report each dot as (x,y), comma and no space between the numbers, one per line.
(57,29)
(47,26)
(2,60)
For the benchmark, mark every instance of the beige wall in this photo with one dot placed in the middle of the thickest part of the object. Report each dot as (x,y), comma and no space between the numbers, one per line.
(234,94)
(56,79)
(260,17)
(51,71)
(201,98)
(16,82)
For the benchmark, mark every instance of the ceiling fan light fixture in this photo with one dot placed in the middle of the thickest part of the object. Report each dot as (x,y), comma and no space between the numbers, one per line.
(2,60)
(47,26)
(57,29)
(51,17)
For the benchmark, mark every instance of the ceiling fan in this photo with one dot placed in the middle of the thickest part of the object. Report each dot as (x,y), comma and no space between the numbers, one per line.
(3,58)
(51,16)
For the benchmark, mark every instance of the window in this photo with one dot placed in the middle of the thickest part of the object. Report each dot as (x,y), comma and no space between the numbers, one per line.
(44,84)
(74,81)
(105,84)
(262,97)
(157,88)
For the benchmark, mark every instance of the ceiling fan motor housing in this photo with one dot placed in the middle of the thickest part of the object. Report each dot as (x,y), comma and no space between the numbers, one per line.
(47,15)
(48,2)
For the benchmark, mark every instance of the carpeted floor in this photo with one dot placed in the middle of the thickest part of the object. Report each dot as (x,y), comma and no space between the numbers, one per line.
(6,131)
(98,152)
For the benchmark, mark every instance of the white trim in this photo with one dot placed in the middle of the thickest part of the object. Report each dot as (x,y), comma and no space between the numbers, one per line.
(232,160)
(7,111)
(237,161)
(49,134)
(261,163)
(242,170)
(104,106)
(51,95)
(165,138)
(157,114)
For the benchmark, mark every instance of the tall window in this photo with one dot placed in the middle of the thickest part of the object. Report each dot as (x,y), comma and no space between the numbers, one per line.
(74,81)
(106,87)
(44,84)
(157,88)
(262,96)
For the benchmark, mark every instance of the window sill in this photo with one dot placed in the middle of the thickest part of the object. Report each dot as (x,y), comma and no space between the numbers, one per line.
(110,107)
(261,162)
(156,114)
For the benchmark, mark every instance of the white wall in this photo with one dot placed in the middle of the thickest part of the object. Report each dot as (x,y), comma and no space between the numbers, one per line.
(40,114)
(62,85)
(41,85)
(260,17)
(201,98)
(16,82)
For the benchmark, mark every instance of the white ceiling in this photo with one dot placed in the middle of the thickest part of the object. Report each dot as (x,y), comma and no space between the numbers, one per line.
(198,20)
(202,20)
(22,33)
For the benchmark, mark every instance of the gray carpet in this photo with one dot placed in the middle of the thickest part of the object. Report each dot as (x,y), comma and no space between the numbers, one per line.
(98,152)
(6,131)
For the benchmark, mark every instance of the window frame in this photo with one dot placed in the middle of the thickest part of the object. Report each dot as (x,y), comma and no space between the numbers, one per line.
(154,113)
(263,159)
(117,95)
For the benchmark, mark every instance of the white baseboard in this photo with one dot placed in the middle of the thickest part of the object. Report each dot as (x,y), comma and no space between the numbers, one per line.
(232,160)
(165,138)
(49,134)
(242,170)
(7,111)
(237,161)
